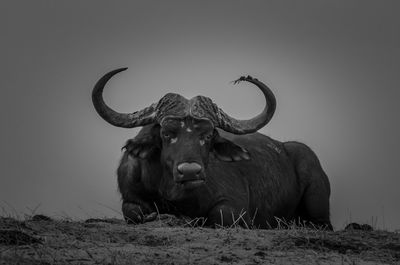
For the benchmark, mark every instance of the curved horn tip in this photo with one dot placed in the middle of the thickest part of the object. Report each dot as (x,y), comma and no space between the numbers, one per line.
(120,69)
(247,78)
(124,120)
(235,126)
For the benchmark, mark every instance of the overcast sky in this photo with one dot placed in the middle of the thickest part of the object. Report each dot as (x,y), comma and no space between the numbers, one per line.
(333,66)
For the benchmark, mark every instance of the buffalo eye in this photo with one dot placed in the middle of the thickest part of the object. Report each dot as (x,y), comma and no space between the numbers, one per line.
(167,134)
(207,136)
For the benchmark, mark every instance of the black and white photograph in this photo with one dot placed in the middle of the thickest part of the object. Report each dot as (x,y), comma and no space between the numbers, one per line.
(200,132)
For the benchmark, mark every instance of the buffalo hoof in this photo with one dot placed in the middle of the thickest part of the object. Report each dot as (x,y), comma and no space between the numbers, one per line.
(155,216)
(150,217)
(132,213)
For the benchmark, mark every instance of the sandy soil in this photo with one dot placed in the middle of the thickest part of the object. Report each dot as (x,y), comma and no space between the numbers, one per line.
(40,240)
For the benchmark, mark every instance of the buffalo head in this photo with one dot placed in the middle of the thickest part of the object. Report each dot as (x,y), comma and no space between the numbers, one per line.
(186,130)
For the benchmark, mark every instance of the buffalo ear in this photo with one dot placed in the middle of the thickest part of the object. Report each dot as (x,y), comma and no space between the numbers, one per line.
(228,151)
(145,144)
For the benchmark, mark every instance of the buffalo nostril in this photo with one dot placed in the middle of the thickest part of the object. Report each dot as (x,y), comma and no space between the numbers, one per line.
(189,168)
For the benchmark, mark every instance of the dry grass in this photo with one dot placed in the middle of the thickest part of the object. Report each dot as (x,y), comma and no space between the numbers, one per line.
(171,240)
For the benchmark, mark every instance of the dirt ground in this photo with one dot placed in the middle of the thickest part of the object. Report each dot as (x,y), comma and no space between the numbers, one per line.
(41,240)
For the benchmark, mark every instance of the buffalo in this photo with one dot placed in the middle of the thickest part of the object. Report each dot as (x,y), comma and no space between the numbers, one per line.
(193,159)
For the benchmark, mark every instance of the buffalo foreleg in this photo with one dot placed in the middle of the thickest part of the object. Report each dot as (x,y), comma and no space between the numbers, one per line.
(137,200)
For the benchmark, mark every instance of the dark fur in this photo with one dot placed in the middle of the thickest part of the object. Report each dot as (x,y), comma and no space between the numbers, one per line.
(283,180)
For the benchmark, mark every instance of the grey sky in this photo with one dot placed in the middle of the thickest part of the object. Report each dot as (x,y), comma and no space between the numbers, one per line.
(333,66)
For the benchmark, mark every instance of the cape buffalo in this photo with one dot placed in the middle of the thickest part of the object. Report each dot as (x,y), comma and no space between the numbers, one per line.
(192,158)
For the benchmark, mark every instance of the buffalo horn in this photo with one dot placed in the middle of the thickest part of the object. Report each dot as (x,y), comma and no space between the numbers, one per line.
(124,120)
(235,126)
